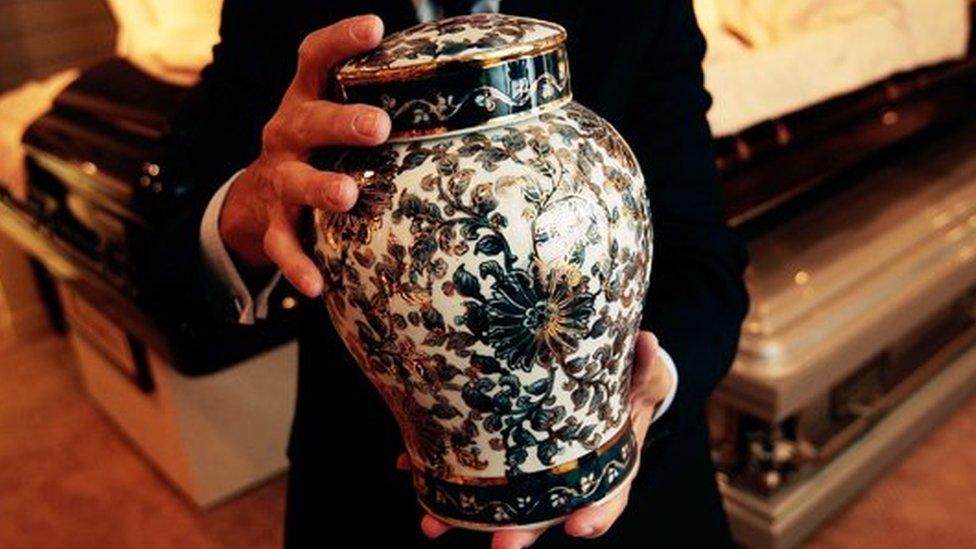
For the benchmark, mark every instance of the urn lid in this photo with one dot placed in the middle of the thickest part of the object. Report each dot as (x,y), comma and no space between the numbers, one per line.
(461,73)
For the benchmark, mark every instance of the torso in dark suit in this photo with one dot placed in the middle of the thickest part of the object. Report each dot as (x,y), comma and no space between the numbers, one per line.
(638,64)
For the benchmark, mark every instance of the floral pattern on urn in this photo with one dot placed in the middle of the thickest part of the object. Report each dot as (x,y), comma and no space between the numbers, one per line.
(490,280)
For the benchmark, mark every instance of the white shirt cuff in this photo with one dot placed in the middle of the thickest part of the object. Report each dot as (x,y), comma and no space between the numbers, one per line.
(666,403)
(222,265)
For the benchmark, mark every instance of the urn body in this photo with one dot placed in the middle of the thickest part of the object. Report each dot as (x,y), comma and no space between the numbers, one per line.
(490,282)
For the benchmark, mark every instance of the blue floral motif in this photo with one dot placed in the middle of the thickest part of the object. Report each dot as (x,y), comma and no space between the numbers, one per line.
(531,319)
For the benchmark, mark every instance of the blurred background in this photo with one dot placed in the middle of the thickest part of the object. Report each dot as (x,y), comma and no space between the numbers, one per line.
(846,142)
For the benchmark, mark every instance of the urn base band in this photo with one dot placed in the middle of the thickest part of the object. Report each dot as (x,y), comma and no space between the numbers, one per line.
(533,499)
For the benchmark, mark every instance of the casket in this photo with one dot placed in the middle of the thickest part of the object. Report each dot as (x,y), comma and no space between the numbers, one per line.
(99,189)
(858,342)
(863,267)
(208,403)
(804,90)
(103,142)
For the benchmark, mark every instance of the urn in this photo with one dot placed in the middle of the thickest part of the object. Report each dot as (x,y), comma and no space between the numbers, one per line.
(491,277)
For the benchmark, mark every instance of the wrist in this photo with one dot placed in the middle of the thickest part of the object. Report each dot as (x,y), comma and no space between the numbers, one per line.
(242,226)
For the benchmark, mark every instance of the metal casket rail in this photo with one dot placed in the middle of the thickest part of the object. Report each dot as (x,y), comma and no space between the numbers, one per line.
(860,303)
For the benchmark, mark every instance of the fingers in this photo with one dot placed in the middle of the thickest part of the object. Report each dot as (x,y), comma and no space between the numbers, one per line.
(298,184)
(593,521)
(432,527)
(645,377)
(515,539)
(645,356)
(304,122)
(325,47)
(282,246)
(650,384)
(314,124)
(323,123)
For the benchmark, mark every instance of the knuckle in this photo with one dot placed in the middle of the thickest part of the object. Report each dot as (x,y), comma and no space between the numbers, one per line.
(343,119)
(313,194)
(603,526)
(271,133)
(267,188)
(279,178)
(338,124)
(268,243)
(307,49)
(301,125)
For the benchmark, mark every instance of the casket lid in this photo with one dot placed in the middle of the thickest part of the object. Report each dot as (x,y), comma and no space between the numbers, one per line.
(816,279)
(856,277)
(460,73)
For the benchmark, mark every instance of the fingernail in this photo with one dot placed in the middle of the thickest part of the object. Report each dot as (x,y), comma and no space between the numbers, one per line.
(584,531)
(364,29)
(367,123)
(310,284)
(342,195)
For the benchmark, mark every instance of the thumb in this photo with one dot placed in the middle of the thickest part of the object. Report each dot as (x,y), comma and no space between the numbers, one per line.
(648,387)
(645,356)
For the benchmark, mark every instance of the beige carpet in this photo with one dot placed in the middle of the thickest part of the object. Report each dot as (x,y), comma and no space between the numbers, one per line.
(928,500)
(69,480)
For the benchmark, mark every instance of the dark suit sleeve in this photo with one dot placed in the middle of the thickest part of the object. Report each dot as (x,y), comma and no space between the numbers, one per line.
(697,299)
(216,134)
(238,92)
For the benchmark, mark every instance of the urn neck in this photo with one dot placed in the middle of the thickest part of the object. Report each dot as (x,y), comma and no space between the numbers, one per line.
(460,74)
(459,97)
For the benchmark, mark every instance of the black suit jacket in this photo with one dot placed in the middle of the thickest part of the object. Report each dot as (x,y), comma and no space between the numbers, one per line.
(637,63)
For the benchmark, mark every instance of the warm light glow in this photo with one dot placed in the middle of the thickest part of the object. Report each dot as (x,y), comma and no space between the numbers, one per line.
(170,39)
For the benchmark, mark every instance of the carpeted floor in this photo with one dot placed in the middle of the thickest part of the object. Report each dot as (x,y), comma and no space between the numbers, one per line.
(928,500)
(68,480)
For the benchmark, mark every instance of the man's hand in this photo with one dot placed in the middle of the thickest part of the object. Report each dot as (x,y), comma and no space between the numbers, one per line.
(651,384)
(260,215)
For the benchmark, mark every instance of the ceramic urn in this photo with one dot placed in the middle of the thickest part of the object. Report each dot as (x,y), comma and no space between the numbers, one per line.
(491,277)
